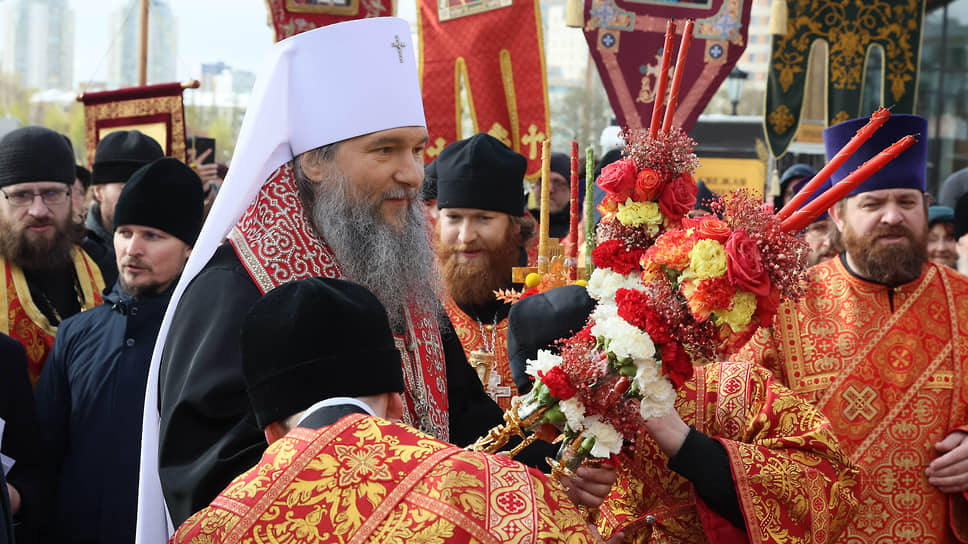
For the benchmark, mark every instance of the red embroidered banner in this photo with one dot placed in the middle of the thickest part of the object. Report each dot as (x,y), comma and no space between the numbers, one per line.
(290,17)
(496,47)
(626,38)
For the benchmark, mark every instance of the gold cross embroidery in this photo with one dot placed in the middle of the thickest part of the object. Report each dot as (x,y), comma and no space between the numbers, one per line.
(859,403)
(398,45)
(533,138)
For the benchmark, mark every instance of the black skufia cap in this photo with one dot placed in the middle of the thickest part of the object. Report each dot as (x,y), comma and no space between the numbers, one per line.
(313,339)
(537,321)
(166,195)
(33,153)
(428,187)
(120,153)
(483,174)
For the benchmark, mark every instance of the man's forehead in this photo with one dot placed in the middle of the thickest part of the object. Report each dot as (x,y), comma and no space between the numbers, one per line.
(415,134)
(887,194)
(34,186)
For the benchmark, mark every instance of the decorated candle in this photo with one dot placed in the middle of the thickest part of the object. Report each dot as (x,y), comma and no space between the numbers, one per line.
(574,217)
(677,76)
(662,81)
(543,245)
(879,118)
(589,210)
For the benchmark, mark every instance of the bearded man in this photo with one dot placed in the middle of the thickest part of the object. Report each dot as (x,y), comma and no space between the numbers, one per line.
(47,278)
(315,190)
(481,236)
(877,345)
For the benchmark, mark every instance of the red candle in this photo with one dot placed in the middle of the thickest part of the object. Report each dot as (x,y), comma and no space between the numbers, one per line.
(879,118)
(677,77)
(573,222)
(805,215)
(662,81)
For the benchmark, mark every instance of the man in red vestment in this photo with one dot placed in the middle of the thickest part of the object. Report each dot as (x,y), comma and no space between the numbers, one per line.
(323,377)
(877,344)
(46,277)
(481,235)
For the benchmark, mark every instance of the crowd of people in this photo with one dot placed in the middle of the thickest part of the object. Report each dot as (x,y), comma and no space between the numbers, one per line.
(305,359)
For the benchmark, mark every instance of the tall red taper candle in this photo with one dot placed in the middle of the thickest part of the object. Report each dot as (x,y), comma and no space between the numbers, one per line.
(877,119)
(805,215)
(662,81)
(574,217)
(677,77)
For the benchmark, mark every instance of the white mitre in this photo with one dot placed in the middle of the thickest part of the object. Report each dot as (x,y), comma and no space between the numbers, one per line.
(315,88)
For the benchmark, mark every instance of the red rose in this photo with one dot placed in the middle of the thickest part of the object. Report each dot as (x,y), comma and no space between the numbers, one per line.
(678,197)
(744,264)
(647,184)
(558,383)
(711,228)
(675,363)
(619,177)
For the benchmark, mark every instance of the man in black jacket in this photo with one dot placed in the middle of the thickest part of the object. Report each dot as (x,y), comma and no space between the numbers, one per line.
(91,393)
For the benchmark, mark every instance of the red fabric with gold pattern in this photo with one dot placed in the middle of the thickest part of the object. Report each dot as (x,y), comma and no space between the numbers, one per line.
(291,17)
(501,387)
(276,243)
(891,381)
(496,49)
(25,322)
(364,479)
(793,482)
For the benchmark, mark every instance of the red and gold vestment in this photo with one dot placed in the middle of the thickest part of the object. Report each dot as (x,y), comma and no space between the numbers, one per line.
(24,321)
(886,366)
(487,337)
(364,479)
(793,482)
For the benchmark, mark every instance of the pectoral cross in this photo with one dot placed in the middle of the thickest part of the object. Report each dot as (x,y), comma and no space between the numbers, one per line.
(398,45)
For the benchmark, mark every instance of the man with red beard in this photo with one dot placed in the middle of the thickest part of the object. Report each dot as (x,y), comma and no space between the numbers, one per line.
(877,344)
(481,236)
(47,278)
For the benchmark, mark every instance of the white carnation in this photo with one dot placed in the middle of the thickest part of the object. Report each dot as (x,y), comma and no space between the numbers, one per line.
(608,441)
(546,360)
(658,399)
(626,340)
(574,412)
(605,282)
(647,372)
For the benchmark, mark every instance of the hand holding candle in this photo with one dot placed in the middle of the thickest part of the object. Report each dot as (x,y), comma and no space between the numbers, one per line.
(805,215)
(877,119)
(662,81)
(677,77)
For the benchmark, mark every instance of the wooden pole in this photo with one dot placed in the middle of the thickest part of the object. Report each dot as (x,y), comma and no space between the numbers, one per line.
(143,45)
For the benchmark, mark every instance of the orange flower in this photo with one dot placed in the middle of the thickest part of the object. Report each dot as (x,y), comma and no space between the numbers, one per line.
(647,185)
(711,228)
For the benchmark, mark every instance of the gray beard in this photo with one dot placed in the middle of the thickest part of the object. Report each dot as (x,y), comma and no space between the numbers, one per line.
(396,266)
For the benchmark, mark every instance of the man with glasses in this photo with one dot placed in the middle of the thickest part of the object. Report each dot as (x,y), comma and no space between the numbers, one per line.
(47,278)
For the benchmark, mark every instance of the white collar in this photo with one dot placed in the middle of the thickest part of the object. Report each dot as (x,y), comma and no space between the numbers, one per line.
(334,401)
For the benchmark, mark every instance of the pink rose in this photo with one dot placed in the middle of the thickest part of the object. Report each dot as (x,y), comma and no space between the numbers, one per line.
(744,264)
(678,197)
(619,177)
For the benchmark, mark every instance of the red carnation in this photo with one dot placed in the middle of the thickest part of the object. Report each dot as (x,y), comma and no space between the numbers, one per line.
(613,254)
(675,363)
(711,294)
(558,383)
(744,264)
(619,177)
(678,197)
(637,309)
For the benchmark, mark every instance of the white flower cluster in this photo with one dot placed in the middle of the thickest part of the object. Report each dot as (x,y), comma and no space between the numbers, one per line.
(608,441)
(574,412)
(605,282)
(625,340)
(546,360)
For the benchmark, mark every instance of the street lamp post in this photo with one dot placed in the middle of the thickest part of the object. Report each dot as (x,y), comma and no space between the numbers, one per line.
(734,85)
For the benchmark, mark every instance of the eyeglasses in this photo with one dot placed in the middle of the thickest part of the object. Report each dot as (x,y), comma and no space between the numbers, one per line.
(50,197)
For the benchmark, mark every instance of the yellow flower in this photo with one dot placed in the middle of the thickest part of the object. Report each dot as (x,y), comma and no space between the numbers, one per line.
(707,259)
(738,317)
(637,214)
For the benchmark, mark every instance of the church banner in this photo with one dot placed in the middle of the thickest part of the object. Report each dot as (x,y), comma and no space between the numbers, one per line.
(496,48)
(290,17)
(626,37)
(851,29)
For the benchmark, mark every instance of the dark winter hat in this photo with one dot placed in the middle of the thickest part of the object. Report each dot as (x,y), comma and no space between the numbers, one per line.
(83,174)
(940,214)
(34,153)
(535,322)
(428,188)
(313,339)
(907,171)
(166,195)
(481,173)
(961,216)
(820,190)
(120,153)
(561,163)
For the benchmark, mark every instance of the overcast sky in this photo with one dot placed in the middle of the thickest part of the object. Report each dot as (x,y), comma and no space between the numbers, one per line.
(231,31)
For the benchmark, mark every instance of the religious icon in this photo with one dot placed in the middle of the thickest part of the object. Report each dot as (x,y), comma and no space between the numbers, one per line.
(452,9)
